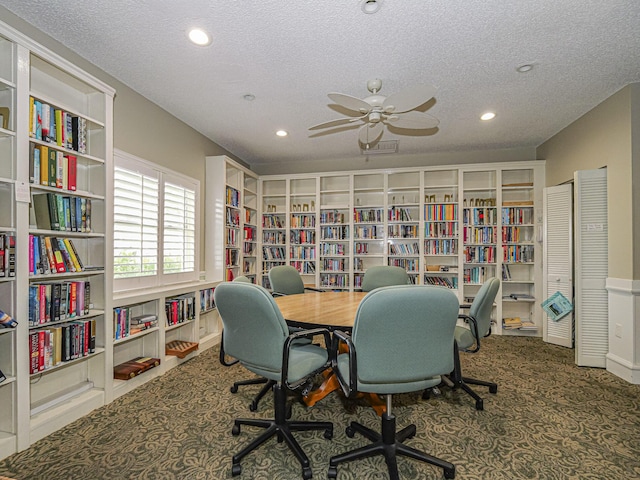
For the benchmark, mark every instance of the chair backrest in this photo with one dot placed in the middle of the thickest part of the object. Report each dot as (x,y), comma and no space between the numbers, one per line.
(242,278)
(483,304)
(254,329)
(405,333)
(384,276)
(286,280)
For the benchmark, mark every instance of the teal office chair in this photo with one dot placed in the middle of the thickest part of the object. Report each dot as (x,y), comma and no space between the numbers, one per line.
(402,341)
(267,384)
(257,335)
(477,325)
(286,280)
(383,276)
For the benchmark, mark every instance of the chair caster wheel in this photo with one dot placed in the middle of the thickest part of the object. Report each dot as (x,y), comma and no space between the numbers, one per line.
(236,470)
(234,389)
(333,472)
(493,389)
(450,472)
(235,431)
(426,395)
(253,407)
(350,431)
(306,473)
(412,432)
(479,404)
(328,434)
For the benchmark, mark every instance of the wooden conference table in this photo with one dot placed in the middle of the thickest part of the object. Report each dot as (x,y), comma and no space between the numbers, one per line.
(331,310)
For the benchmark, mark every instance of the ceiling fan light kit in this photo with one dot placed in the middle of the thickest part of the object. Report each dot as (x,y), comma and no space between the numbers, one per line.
(378,111)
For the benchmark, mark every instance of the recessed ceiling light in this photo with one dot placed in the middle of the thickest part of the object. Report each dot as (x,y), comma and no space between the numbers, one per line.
(487,116)
(371,6)
(199,37)
(527,67)
(249,97)
(282,133)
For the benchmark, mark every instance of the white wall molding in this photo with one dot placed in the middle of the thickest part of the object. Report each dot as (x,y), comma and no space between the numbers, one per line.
(623,359)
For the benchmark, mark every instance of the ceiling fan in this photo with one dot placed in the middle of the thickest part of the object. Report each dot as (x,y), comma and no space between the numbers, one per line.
(376,111)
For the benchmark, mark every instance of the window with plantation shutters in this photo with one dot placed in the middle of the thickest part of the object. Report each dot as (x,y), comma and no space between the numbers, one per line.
(135,223)
(179,247)
(155,224)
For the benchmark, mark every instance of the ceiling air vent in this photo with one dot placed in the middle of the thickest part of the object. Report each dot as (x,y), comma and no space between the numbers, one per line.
(387,146)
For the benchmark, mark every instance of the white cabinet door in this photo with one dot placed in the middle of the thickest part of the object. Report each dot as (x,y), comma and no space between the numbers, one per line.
(558,259)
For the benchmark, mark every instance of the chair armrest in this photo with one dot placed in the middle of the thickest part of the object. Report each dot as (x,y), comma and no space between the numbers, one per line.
(313,289)
(350,388)
(277,294)
(473,325)
(287,348)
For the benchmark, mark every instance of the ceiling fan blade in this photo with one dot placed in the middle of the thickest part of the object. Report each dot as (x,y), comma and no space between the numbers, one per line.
(413,120)
(408,99)
(370,133)
(335,123)
(352,103)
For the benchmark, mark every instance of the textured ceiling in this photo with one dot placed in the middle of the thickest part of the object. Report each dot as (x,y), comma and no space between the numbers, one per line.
(290,54)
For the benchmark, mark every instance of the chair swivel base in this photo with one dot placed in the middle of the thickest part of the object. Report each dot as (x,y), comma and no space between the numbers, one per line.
(390,444)
(268,385)
(463,383)
(281,428)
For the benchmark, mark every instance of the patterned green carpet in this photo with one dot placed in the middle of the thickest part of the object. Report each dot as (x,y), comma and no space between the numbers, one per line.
(549,420)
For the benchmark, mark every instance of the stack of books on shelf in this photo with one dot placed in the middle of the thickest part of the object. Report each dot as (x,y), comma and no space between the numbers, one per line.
(125,325)
(511,323)
(49,255)
(62,213)
(54,125)
(180,309)
(7,255)
(61,343)
(134,367)
(52,168)
(206,300)
(56,301)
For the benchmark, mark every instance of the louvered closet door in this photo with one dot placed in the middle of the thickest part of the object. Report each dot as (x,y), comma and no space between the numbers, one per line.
(592,268)
(558,259)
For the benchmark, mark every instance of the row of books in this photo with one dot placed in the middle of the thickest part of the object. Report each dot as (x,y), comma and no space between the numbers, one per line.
(404,248)
(479,234)
(273,253)
(516,234)
(334,265)
(441,229)
(249,248)
(480,216)
(303,221)
(403,231)
(206,300)
(409,264)
(273,221)
(302,236)
(332,217)
(517,215)
(249,234)
(477,275)
(233,197)
(55,301)
(7,255)
(441,247)
(361,215)
(232,237)
(306,253)
(180,309)
(62,213)
(478,254)
(517,253)
(125,324)
(232,257)
(372,232)
(334,280)
(332,249)
(304,268)
(335,233)
(274,238)
(399,214)
(449,282)
(50,124)
(441,212)
(52,168)
(62,343)
(233,217)
(50,255)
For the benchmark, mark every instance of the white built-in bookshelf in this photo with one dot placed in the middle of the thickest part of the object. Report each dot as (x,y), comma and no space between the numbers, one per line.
(448,226)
